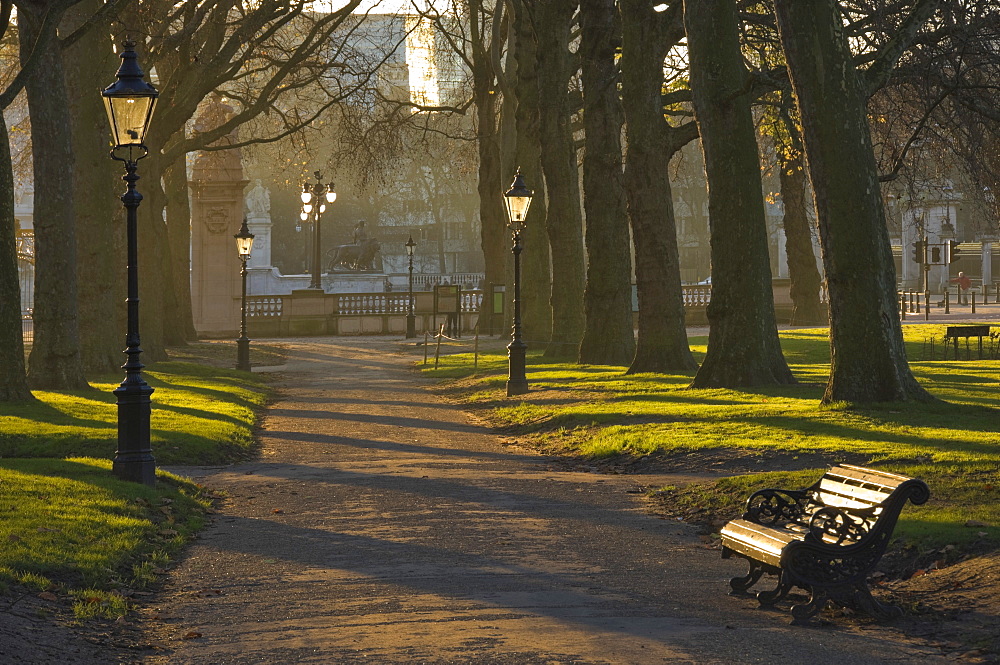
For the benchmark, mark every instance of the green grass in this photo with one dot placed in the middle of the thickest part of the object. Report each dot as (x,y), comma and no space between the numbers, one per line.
(599,412)
(68,526)
(71,526)
(200,415)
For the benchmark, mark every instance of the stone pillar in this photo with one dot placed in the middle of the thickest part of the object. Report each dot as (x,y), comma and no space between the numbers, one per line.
(217,207)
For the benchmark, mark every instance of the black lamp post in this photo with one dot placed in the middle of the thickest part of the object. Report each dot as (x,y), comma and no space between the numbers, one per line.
(517,199)
(244,243)
(411,324)
(319,190)
(130,102)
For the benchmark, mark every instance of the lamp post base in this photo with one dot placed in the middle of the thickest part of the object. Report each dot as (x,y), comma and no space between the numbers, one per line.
(411,327)
(517,382)
(243,354)
(134,458)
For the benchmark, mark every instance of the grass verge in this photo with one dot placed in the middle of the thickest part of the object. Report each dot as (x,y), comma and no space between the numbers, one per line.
(68,528)
(597,412)
(201,414)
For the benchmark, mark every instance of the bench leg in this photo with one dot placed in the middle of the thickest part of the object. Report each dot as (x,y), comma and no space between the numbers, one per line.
(801,614)
(740,585)
(769,598)
(863,601)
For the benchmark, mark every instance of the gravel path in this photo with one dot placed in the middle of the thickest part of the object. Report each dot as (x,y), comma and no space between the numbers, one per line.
(382,526)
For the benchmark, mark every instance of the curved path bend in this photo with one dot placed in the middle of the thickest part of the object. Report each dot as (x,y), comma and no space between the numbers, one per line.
(382,526)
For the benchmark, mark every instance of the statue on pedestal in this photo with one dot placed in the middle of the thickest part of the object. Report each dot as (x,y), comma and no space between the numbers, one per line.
(359,255)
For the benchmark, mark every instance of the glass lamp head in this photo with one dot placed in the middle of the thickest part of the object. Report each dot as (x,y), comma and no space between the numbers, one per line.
(244,240)
(517,199)
(129,101)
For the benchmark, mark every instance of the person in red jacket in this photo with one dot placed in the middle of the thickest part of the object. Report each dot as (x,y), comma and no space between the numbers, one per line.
(964,283)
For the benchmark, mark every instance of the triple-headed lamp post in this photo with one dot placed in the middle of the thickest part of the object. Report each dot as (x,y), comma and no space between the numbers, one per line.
(411,324)
(130,102)
(319,191)
(517,199)
(244,243)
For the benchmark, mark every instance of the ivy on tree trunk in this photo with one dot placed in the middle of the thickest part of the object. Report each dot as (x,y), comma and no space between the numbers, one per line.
(743,347)
(868,359)
(13,381)
(55,361)
(802,271)
(90,66)
(662,343)
(536,287)
(564,223)
(608,337)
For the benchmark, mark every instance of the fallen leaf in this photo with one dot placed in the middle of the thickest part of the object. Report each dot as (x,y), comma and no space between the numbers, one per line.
(278,511)
(975,523)
(14,538)
(168,532)
(191,635)
(48,595)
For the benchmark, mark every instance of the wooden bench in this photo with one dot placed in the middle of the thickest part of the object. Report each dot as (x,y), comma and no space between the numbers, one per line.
(825,539)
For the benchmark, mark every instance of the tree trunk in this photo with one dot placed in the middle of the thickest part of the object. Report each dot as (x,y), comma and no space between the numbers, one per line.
(662,344)
(55,361)
(564,222)
(90,65)
(181,331)
(608,337)
(868,357)
(13,381)
(536,283)
(155,279)
(802,271)
(743,347)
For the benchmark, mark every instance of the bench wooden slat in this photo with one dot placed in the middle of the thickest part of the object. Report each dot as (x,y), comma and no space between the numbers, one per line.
(756,540)
(835,493)
(883,478)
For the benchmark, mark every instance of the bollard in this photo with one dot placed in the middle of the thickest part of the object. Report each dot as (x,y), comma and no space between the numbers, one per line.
(437,354)
(972,296)
(947,308)
(425,347)
(475,359)
(927,306)
(902,306)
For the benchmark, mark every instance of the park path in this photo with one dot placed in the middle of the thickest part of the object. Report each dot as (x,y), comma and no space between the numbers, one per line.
(382,526)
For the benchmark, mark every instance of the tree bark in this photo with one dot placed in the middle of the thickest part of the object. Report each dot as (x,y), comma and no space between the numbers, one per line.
(609,337)
(743,347)
(868,359)
(661,344)
(564,222)
(13,380)
(155,269)
(90,65)
(802,271)
(55,361)
(536,291)
(175,184)
(490,182)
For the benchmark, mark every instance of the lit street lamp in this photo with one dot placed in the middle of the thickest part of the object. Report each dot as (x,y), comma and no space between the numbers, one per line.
(244,243)
(130,102)
(411,325)
(318,190)
(517,199)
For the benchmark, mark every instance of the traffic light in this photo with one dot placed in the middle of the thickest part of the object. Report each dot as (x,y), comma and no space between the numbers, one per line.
(953,251)
(918,251)
(935,255)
